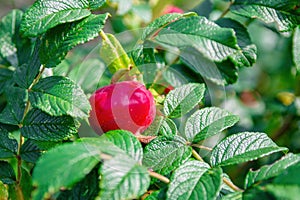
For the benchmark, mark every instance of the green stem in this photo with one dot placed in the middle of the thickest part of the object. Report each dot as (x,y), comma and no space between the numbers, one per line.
(18,188)
(226,11)
(197,156)
(201,147)
(159,177)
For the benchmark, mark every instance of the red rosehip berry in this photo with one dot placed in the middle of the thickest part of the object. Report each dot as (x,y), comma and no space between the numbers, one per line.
(126,105)
(172,9)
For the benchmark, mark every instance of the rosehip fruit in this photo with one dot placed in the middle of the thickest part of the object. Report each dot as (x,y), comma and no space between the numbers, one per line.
(126,105)
(172,9)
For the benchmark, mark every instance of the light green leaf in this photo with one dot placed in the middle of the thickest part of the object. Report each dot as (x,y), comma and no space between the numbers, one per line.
(168,128)
(30,152)
(9,28)
(46,14)
(243,147)
(296,48)
(60,40)
(126,141)
(8,146)
(57,95)
(123,178)
(195,180)
(153,129)
(7,174)
(280,12)
(113,54)
(14,110)
(38,125)
(163,154)
(233,196)
(153,196)
(207,122)
(3,191)
(183,99)
(281,191)
(208,38)
(270,171)
(287,177)
(63,166)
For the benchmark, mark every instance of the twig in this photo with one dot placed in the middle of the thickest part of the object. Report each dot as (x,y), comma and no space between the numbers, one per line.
(197,156)
(231,185)
(202,147)
(159,176)
(226,11)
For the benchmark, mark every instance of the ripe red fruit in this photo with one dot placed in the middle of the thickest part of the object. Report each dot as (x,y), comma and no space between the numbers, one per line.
(126,105)
(172,9)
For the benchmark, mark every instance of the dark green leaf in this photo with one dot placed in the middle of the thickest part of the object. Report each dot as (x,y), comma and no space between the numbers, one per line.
(280,12)
(38,125)
(243,147)
(208,38)
(126,141)
(5,78)
(287,177)
(123,178)
(153,196)
(163,154)
(273,170)
(113,54)
(60,40)
(57,95)
(63,166)
(247,56)
(296,48)
(194,180)
(207,122)
(30,152)
(8,146)
(168,128)
(7,174)
(43,15)
(228,70)
(26,73)
(86,189)
(159,23)
(26,183)
(181,100)
(14,110)
(9,27)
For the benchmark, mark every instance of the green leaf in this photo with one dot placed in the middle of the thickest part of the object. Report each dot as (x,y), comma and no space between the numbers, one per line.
(14,110)
(123,178)
(168,128)
(270,171)
(208,38)
(46,14)
(26,73)
(7,174)
(194,180)
(207,122)
(30,152)
(163,154)
(113,54)
(86,189)
(57,95)
(58,41)
(63,166)
(243,147)
(183,99)
(40,126)
(9,28)
(153,196)
(290,192)
(247,56)
(233,196)
(228,70)
(5,78)
(202,65)
(154,128)
(159,23)
(126,141)
(287,177)
(8,146)
(296,48)
(280,12)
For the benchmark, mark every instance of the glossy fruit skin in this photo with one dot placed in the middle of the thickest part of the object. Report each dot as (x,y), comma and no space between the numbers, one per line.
(126,105)
(172,9)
